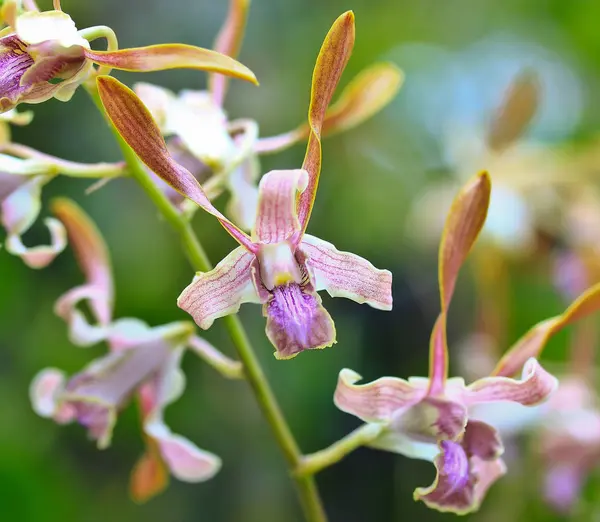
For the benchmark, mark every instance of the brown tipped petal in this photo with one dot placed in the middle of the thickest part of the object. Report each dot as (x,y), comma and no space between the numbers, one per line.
(135,124)
(171,56)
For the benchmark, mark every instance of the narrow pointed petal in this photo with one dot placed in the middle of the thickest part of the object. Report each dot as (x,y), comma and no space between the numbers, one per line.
(535,386)
(185,460)
(221,291)
(171,56)
(344,274)
(229,42)
(376,401)
(297,321)
(464,222)
(149,477)
(135,124)
(92,256)
(331,62)
(534,341)
(369,92)
(276,217)
(516,111)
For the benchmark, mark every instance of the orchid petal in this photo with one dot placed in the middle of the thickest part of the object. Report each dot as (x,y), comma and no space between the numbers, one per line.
(517,110)
(35,28)
(221,291)
(432,418)
(92,256)
(276,218)
(367,93)
(376,401)
(42,255)
(45,391)
(331,61)
(149,476)
(229,42)
(563,484)
(535,386)
(171,56)
(186,461)
(134,123)
(534,341)
(344,274)
(156,99)
(9,183)
(463,224)
(243,202)
(296,321)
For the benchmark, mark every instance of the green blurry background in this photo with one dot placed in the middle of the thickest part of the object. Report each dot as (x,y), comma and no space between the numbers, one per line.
(458,57)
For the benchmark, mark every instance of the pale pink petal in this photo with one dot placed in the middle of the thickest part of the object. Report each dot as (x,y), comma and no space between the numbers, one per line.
(42,255)
(135,124)
(221,291)
(344,274)
(45,391)
(185,460)
(535,386)
(243,202)
(376,401)
(276,217)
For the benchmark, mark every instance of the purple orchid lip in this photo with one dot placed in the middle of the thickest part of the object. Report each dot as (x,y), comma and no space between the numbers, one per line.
(14,63)
(296,321)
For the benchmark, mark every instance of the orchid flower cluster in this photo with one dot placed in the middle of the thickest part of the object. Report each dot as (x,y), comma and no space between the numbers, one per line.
(184,152)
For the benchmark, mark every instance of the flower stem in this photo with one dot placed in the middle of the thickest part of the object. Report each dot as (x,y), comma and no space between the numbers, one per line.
(305,484)
(315,462)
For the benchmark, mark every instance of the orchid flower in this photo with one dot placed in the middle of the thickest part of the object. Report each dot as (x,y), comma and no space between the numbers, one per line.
(43,55)
(142,360)
(279,265)
(439,419)
(23,174)
(223,154)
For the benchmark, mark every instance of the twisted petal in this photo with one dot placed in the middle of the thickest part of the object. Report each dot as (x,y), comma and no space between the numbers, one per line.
(229,42)
(135,124)
(19,210)
(533,342)
(535,386)
(516,111)
(296,321)
(93,259)
(370,91)
(376,401)
(331,62)
(221,291)
(276,217)
(463,224)
(344,274)
(171,56)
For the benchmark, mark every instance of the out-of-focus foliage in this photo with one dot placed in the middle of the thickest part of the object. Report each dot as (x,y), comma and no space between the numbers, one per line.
(458,58)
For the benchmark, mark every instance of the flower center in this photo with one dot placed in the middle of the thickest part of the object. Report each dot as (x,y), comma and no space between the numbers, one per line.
(278,266)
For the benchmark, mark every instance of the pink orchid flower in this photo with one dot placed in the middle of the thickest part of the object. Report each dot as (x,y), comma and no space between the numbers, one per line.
(142,360)
(437,418)
(43,55)
(279,265)
(222,154)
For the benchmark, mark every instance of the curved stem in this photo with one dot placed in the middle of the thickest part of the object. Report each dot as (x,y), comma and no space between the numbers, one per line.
(305,485)
(315,462)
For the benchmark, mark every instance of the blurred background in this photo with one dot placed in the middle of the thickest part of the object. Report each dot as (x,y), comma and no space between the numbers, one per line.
(374,199)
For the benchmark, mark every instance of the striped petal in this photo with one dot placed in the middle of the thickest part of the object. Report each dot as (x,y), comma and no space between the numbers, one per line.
(221,291)
(171,56)
(535,386)
(376,401)
(229,42)
(344,274)
(276,217)
(464,222)
(135,124)
(331,62)
(534,341)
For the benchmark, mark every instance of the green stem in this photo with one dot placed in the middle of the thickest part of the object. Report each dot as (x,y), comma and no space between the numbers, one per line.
(315,462)
(305,485)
